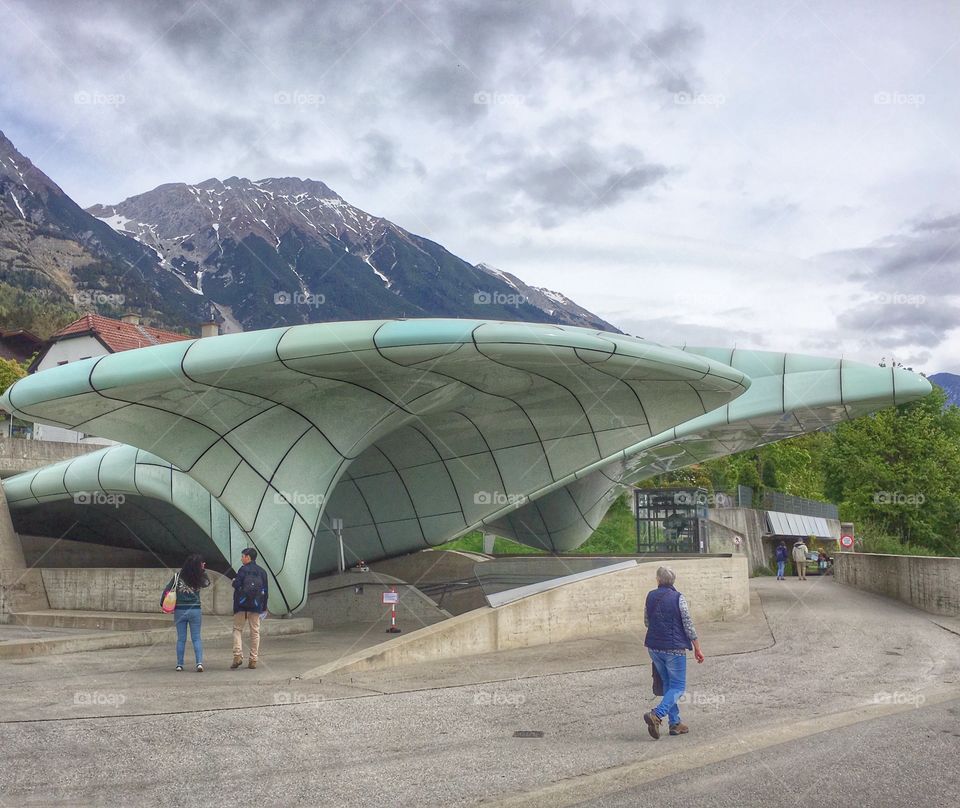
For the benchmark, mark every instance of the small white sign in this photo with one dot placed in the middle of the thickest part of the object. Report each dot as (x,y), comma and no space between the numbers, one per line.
(390,597)
(336,524)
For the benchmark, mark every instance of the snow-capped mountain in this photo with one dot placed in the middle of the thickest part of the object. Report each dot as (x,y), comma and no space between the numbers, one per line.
(253,254)
(557,305)
(57,256)
(287,250)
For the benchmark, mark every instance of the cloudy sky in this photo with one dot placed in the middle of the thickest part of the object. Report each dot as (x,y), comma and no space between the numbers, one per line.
(776,175)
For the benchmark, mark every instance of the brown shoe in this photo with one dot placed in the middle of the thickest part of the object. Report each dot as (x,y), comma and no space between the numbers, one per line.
(679,729)
(252,663)
(653,724)
(237,662)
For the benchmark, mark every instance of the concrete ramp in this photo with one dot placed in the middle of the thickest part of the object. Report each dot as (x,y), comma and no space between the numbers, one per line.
(603,602)
(498,599)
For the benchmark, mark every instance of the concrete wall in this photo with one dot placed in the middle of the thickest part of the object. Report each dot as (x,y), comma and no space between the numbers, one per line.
(725,523)
(716,588)
(929,583)
(334,599)
(18,455)
(125,590)
(21,590)
(11,550)
(49,552)
(430,566)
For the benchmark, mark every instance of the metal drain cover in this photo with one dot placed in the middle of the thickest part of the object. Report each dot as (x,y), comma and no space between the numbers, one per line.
(528,733)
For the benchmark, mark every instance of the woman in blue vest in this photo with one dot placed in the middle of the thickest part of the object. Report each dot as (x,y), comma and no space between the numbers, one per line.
(670,634)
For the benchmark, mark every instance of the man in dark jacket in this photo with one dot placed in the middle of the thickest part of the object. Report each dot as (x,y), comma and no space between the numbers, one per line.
(249,606)
(670,634)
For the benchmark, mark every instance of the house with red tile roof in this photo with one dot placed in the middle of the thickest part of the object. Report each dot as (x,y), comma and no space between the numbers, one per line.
(95,335)
(18,344)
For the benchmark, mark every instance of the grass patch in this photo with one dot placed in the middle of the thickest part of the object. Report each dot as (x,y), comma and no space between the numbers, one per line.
(616,535)
(473,543)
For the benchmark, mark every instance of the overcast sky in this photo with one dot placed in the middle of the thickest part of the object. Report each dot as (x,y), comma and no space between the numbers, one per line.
(778,175)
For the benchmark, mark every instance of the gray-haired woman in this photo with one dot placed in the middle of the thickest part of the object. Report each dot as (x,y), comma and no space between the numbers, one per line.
(670,634)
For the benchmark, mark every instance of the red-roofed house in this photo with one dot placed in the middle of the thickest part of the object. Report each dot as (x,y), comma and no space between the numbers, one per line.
(94,335)
(18,344)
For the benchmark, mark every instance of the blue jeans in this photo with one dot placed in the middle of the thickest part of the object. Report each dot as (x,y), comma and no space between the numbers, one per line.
(780,566)
(673,670)
(181,619)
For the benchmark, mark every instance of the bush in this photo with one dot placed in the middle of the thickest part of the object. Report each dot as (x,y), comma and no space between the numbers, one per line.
(888,545)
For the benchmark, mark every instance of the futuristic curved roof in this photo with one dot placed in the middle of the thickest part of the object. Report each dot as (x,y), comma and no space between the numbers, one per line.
(413,432)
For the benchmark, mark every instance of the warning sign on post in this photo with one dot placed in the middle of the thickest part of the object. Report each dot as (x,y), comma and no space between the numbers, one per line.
(390,597)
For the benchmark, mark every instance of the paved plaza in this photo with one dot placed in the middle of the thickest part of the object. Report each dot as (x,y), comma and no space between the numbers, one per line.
(849,686)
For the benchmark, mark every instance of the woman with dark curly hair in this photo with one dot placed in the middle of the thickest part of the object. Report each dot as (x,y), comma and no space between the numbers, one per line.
(189,581)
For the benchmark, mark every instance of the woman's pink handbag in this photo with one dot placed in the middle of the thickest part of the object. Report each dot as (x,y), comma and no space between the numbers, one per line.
(168,603)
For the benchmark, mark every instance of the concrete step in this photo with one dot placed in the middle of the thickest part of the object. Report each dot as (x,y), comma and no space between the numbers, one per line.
(102,621)
(125,632)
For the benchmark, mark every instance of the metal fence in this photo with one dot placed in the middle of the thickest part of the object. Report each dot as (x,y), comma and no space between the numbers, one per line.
(787,503)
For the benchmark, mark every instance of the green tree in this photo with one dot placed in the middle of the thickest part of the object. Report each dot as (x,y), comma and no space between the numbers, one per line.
(40,310)
(898,471)
(10,371)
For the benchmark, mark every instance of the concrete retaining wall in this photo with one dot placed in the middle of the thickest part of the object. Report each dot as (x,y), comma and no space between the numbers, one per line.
(125,590)
(725,523)
(716,589)
(430,566)
(334,599)
(49,552)
(18,454)
(929,583)
(20,590)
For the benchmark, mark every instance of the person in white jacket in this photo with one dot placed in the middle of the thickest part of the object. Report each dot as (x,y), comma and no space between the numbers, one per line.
(800,559)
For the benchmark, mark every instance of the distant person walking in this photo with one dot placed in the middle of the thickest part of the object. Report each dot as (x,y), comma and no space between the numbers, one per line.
(781,556)
(188,582)
(670,634)
(823,561)
(249,606)
(800,559)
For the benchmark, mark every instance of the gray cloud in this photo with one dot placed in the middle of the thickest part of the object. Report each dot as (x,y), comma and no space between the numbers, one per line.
(201,83)
(897,322)
(583,178)
(950,223)
(381,156)
(667,53)
(923,259)
(674,331)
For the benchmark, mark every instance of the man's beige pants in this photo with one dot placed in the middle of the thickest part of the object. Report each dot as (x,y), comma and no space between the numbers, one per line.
(252,619)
